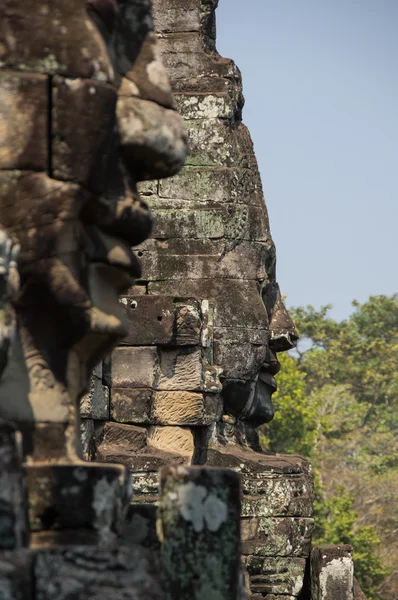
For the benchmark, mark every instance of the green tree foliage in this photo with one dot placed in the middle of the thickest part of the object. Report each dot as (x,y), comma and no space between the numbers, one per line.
(360,352)
(337,404)
(337,522)
(298,433)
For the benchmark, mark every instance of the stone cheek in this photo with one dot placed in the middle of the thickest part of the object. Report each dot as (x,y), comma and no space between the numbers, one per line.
(23,121)
(73,158)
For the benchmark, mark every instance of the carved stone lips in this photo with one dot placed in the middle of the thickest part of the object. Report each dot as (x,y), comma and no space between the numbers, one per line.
(266,377)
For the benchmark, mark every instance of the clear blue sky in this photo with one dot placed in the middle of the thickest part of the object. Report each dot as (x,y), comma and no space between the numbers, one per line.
(320,78)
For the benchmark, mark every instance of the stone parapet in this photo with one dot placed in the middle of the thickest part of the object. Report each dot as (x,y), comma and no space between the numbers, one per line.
(332,573)
(199,527)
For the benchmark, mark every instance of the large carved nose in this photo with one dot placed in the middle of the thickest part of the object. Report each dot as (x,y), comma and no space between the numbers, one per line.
(154,141)
(153,136)
(283,334)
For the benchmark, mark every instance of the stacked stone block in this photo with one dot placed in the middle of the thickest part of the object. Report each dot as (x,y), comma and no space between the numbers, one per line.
(163,389)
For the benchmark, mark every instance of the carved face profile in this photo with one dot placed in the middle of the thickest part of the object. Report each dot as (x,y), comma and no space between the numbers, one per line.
(72,153)
(212,239)
(236,277)
(85,113)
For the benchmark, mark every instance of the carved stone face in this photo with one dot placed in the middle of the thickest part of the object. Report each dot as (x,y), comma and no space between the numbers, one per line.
(249,323)
(84,101)
(212,239)
(85,113)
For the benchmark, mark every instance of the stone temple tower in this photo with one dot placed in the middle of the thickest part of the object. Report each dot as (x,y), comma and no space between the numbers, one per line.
(193,379)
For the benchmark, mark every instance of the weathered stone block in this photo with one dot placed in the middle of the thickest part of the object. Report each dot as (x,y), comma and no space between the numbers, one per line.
(148,188)
(175,17)
(62,53)
(93,573)
(226,294)
(143,465)
(199,517)
(180,369)
(276,575)
(244,261)
(212,184)
(211,85)
(183,247)
(149,320)
(91,497)
(87,438)
(230,336)
(49,211)
(279,485)
(190,222)
(205,106)
(271,597)
(118,435)
(146,486)
(276,536)
(281,499)
(131,405)
(128,445)
(185,408)
(213,143)
(183,58)
(134,367)
(140,528)
(161,320)
(232,222)
(172,439)
(332,573)
(240,361)
(23,118)
(14,530)
(16,575)
(95,404)
(73,158)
